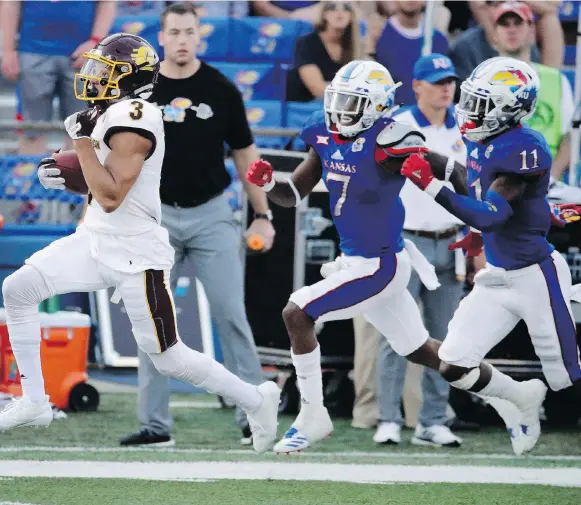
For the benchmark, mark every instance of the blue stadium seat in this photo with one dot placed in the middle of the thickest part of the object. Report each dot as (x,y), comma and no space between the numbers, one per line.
(570,75)
(264,113)
(18,177)
(297,114)
(570,55)
(264,39)
(304,28)
(256,81)
(216,34)
(144,26)
(569,10)
(18,182)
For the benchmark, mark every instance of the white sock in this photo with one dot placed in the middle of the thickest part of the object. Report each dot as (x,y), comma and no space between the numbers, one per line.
(309,377)
(502,386)
(226,384)
(183,363)
(27,353)
(23,291)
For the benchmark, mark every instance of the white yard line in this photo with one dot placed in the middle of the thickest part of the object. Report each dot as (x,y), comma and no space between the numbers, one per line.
(382,474)
(249,452)
(192,404)
(14,503)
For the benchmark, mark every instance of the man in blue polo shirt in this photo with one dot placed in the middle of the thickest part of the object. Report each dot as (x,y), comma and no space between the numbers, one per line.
(400,45)
(52,37)
(432,230)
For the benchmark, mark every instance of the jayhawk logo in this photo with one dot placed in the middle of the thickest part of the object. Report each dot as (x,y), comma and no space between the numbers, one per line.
(176,110)
(144,56)
(379,77)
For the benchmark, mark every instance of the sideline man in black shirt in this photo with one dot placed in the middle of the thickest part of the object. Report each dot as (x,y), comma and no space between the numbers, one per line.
(202,110)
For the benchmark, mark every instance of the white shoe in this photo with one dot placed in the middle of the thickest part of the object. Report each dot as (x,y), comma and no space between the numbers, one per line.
(23,412)
(311,425)
(387,433)
(264,421)
(533,396)
(511,415)
(437,436)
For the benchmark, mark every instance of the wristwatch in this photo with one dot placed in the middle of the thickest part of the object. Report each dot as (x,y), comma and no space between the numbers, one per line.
(266,215)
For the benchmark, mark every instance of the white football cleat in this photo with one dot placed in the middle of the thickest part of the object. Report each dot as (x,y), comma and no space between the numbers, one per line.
(511,415)
(23,412)
(533,396)
(387,433)
(264,421)
(311,425)
(436,436)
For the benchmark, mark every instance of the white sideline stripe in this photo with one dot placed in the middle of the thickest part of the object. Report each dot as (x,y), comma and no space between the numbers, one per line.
(195,405)
(248,452)
(14,503)
(381,474)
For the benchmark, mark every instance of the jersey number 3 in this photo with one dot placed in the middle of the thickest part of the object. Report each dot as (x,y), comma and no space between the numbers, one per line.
(343,179)
(524,160)
(137,112)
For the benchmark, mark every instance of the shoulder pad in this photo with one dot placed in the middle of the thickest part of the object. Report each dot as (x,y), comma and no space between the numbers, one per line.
(135,113)
(400,134)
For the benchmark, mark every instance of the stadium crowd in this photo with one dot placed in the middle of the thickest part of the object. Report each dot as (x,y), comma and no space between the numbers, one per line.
(43,43)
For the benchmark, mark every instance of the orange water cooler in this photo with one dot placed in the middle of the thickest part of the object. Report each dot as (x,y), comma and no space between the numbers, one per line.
(64,347)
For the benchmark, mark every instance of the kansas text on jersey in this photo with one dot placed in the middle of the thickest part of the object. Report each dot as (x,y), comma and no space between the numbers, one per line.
(364,198)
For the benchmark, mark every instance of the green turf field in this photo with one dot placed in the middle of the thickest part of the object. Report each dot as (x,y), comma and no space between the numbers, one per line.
(127,492)
(345,469)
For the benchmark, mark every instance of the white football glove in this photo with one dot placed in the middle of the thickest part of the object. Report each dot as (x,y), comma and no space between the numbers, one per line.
(49,175)
(80,124)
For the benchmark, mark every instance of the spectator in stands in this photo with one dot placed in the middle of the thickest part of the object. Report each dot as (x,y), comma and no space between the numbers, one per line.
(139,7)
(295,9)
(477,44)
(431,229)
(548,30)
(202,110)
(398,44)
(372,12)
(513,24)
(320,54)
(52,39)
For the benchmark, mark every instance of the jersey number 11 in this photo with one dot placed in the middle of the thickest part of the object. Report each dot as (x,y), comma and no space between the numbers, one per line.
(524,160)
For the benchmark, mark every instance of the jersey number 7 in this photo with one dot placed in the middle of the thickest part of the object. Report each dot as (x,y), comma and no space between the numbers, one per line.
(343,179)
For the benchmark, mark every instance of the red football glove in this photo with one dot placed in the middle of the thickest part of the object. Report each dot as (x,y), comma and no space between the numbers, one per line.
(418,170)
(562,215)
(471,244)
(260,173)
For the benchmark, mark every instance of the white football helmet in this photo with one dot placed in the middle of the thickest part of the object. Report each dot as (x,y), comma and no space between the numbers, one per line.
(360,93)
(499,94)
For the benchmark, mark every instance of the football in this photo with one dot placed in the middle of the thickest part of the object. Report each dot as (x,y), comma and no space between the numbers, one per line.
(71,172)
(393,164)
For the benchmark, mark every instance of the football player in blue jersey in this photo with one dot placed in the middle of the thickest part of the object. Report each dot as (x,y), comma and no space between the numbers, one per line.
(525,278)
(357,151)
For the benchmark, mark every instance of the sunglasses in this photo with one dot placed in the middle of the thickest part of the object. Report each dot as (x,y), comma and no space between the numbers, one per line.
(332,6)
